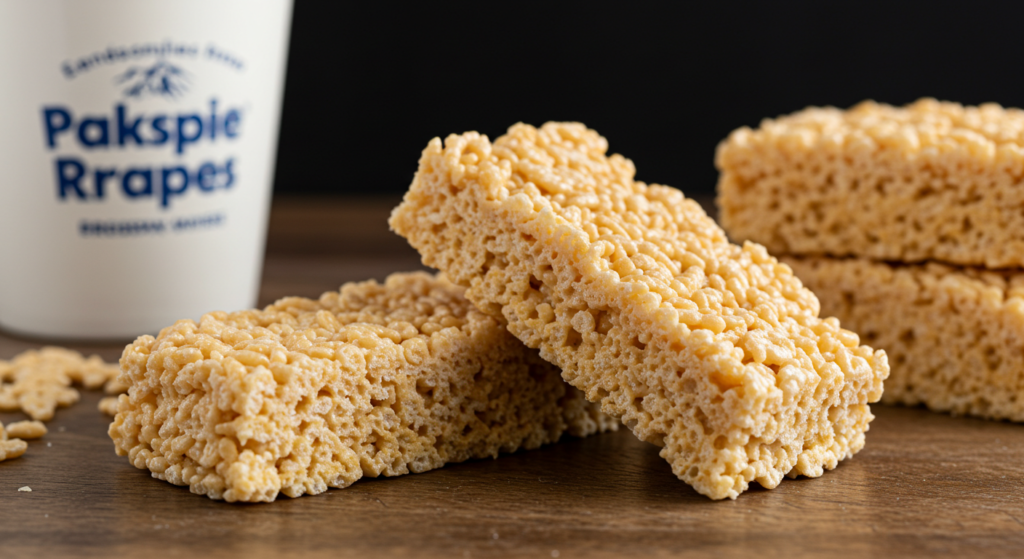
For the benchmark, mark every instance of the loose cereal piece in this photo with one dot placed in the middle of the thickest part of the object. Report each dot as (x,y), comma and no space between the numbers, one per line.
(955,336)
(710,350)
(309,394)
(37,382)
(26,429)
(108,406)
(11,448)
(25,489)
(929,181)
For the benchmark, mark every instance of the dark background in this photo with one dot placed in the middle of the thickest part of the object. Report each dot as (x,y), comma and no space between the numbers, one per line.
(370,83)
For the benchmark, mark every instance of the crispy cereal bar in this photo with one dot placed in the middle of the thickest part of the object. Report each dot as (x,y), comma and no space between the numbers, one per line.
(309,394)
(929,181)
(37,382)
(710,350)
(955,336)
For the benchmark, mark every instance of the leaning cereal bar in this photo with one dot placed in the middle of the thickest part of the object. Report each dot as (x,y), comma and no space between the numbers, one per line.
(929,181)
(710,350)
(309,394)
(955,336)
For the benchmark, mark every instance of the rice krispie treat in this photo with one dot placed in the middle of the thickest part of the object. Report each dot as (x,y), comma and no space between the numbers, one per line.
(37,382)
(929,181)
(309,394)
(955,336)
(710,350)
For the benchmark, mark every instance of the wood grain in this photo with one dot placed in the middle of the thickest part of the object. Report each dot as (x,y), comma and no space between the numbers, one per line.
(925,485)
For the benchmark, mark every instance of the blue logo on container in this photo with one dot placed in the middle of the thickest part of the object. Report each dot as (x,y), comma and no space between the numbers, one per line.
(162,79)
(123,127)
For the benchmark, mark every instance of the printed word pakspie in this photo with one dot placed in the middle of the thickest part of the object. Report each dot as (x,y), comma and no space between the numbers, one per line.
(76,179)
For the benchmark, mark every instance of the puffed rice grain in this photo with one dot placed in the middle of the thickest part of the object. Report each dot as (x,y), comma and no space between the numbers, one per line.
(955,336)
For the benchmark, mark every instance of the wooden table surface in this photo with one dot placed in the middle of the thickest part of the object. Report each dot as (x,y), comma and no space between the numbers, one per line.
(925,485)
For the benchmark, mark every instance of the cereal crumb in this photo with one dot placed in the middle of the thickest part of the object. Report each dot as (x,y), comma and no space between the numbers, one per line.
(25,489)
(108,405)
(712,351)
(37,382)
(954,335)
(26,429)
(12,448)
(929,181)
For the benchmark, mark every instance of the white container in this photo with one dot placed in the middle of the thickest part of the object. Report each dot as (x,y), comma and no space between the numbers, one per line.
(137,144)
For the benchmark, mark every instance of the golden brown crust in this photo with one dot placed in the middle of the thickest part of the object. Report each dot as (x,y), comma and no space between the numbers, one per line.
(929,181)
(309,394)
(955,336)
(711,350)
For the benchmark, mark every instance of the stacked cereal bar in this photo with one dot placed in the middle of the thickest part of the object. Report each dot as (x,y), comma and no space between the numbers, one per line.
(865,203)
(309,394)
(712,351)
